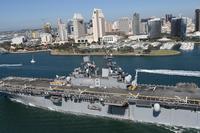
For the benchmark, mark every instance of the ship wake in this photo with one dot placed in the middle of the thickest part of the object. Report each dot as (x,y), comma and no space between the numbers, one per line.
(171,72)
(11,65)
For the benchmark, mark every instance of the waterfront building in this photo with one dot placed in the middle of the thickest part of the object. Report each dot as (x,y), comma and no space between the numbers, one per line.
(62,31)
(190,26)
(136,24)
(35,35)
(98,22)
(85,39)
(46,38)
(138,37)
(124,25)
(111,39)
(78,26)
(18,40)
(154,28)
(178,27)
(47,28)
(197,20)
(166,27)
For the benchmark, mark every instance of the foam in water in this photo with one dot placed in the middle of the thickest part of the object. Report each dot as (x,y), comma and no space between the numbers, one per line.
(11,65)
(171,72)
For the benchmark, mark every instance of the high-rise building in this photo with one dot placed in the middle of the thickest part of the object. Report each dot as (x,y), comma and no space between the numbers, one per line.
(124,25)
(70,27)
(89,30)
(115,26)
(98,22)
(144,26)
(197,20)
(154,28)
(178,27)
(108,26)
(136,24)
(78,26)
(47,28)
(62,31)
(168,17)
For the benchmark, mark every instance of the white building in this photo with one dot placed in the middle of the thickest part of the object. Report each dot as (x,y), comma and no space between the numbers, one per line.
(138,37)
(62,31)
(108,26)
(143,28)
(85,39)
(46,38)
(190,26)
(18,40)
(98,21)
(79,27)
(111,38)
(166,27)
(124,25)
(115,26)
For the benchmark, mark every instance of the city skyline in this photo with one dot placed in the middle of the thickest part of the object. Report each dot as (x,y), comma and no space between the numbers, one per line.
(33,14)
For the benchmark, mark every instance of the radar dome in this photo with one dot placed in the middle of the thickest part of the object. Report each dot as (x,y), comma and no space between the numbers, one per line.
(156,107)
(128,78)
(68,79)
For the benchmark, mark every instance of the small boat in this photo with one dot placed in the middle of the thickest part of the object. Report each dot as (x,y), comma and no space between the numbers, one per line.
(33,61)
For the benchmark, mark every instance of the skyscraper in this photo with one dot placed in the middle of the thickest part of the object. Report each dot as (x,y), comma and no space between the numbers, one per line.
(144,26)
(124,25)
(136,24)
(178,27)
(197,20)
(154,28)
(62,31)
(70,28)
(108,26)
(168,17)
(78,26)
(47,28)
(98,22)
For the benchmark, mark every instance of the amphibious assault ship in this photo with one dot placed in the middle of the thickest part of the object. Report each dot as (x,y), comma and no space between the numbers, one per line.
(110,92)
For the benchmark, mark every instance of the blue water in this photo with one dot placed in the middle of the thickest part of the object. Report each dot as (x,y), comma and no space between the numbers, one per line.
(48,66)
(17,118)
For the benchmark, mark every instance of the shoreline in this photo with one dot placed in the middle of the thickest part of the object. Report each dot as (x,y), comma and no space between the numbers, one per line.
(24,52)
(171,53)
(154,53)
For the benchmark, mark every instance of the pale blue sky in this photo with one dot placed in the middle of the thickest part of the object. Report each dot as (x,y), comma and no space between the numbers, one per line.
(18,14)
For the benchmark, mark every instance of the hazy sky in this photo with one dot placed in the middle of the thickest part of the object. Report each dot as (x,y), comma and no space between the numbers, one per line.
(18,14)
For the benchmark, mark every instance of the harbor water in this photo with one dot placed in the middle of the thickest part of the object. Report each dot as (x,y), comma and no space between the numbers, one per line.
(17,118)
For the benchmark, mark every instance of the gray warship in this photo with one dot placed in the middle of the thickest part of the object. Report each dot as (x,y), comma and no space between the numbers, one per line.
(110,92)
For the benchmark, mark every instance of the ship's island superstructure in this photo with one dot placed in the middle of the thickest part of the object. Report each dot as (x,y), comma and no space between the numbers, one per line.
(109,92)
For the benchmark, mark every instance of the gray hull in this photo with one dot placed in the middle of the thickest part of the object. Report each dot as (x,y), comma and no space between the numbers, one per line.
(169,117)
